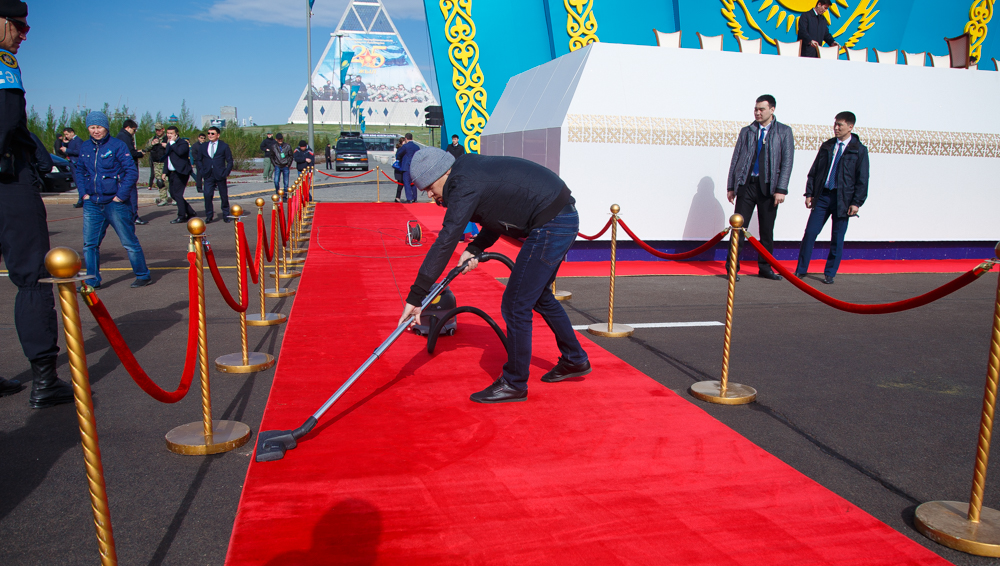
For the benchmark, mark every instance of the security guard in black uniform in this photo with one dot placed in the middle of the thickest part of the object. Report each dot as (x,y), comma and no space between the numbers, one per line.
(24,235)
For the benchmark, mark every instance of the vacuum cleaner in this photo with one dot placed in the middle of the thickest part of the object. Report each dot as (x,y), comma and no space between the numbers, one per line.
(272,444)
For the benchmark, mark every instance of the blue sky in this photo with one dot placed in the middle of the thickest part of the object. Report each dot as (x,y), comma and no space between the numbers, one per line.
(151,54)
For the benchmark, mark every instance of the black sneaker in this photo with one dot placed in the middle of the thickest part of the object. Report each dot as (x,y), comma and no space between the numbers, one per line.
(499,392)
(141,283)
(9,387)
(564,370)
(140,221)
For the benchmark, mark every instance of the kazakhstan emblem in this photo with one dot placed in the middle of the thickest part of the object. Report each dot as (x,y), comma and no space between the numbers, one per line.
(847,26)
(8,60)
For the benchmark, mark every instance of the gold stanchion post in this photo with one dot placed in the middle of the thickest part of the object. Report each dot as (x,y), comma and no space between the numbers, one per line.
(970,527)
(612,330)
(207,436)
(561,295)
(285,272)
(378,184)
(244,361)
(266,318)
(278,250)
(64,266)
(723,392)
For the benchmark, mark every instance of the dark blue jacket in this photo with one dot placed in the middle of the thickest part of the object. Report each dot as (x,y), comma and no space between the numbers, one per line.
(105,170)
(218,167)
(405,154)
(73,149)
(852,173)
(178,153)
(300,157)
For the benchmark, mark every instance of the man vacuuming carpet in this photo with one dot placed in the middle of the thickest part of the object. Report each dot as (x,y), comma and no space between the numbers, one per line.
(512,196)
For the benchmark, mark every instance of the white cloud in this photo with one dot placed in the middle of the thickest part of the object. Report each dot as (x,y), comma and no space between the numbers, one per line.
(325,12)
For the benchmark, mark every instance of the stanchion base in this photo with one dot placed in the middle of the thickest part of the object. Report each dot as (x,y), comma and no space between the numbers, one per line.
(296,261)
(270,319)
(301,240)
(711,392)
(190,439)
(947,523)
(617,330)
(565,296)
(233,363)
(278,295)
(289,275)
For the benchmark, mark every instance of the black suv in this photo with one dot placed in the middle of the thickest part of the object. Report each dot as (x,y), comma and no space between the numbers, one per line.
(351,154)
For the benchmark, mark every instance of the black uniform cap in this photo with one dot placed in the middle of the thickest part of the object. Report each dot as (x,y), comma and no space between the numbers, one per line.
(13,9)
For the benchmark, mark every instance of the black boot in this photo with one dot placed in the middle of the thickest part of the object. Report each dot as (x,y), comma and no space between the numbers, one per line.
(47,390)
(9,387)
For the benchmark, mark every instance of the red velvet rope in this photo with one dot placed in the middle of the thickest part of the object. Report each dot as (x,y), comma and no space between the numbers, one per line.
(214,268)
(252,266)
(391,179)
(598,235)
(281,223)
(351,177)
(128,360)
(885,308)
(676,257)
(262,239)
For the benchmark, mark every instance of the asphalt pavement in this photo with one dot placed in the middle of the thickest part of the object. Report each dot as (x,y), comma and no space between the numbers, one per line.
(883,410)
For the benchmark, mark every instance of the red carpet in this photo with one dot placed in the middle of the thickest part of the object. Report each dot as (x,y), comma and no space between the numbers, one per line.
(404,469)
(431,215)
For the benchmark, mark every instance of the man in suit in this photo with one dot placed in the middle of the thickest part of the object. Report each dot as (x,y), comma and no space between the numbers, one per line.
(405,155)
(195,162)
(837,186)
(177,171)
(758,175)
(813,29)
(216,162)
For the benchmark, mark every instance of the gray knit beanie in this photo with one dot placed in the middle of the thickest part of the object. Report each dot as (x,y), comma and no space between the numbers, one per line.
(428,165)
(96,118)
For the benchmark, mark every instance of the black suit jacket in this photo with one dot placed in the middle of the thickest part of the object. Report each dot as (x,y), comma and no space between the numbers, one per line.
(177,154)
(813,27)
(218,167)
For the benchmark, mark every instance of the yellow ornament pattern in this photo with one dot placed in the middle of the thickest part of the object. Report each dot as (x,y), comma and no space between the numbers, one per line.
(466,77)
(581,25)
(786,13)
(980,14)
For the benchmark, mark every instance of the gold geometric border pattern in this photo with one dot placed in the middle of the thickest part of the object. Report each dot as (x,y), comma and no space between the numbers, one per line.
(466,77)
(635,130)
(980,14)
(581,25)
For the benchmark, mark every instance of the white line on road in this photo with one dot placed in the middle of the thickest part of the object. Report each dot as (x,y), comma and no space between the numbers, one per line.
(661,324)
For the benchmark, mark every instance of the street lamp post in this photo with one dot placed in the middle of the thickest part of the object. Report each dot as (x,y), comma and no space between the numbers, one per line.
(340,77)
(309,86)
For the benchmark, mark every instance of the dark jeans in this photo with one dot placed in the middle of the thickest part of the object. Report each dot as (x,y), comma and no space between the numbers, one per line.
(96,219)
(198,182)
(399,179)
(280,172)
(329,162)
(178,183)
(211,184)
(24,241)
(824,206)
(749,196)
(411,191)
(530,288)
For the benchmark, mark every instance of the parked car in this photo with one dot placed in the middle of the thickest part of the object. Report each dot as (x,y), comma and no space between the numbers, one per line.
(60,178)
(351,154)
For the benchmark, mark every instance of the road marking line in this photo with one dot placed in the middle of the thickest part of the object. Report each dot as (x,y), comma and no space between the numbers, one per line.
(660,324)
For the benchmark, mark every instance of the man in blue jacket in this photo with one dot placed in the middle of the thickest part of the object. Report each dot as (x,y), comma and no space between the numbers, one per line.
(405,155)
(106,174)
(836,186)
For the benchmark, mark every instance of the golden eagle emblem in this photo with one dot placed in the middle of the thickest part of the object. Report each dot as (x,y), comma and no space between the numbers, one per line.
(758,15)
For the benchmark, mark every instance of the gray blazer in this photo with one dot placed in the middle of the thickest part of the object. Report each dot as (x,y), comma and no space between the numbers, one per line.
(781,152)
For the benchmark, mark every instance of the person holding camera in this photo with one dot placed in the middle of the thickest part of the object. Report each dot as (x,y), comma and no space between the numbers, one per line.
(156,148)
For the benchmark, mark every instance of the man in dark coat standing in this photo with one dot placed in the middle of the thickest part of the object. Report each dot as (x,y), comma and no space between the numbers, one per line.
(455,149)
(177,171)
(813,29)
(405,155)
(24,235)
(836,186)
(127,135)
(216,162)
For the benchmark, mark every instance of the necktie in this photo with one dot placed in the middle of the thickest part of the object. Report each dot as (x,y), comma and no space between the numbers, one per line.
(211,149)
(831,182)
(756,161)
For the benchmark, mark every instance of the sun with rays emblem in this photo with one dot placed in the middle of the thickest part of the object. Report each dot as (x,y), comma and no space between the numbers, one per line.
(759,15)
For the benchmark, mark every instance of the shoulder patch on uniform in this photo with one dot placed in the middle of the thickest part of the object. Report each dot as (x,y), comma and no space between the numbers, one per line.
(8,60)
